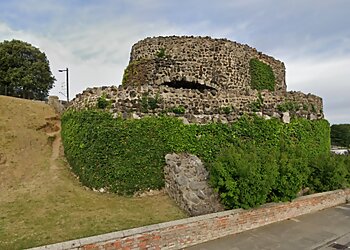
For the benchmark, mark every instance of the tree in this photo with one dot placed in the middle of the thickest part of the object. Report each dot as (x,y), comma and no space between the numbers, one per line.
(24,71)
(340,135)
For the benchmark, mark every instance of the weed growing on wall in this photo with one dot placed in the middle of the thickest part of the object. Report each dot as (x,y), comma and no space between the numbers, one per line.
(180,110)
(226,110)
(161,53)
(258,104)
(103,103)
(149,103)
(262,76)
(290,106)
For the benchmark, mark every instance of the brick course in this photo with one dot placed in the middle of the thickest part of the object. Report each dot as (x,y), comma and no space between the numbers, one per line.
(191,231)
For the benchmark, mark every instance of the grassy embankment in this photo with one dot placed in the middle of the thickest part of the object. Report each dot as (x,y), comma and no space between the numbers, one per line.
(41,202)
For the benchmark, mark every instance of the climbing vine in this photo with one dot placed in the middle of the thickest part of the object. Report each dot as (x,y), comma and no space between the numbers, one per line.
(262,76)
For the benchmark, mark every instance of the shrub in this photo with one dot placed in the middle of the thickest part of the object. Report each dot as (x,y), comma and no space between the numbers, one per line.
(243,175)
(161,53)
(126,156)
(262,76)
(328,172)
(292,175)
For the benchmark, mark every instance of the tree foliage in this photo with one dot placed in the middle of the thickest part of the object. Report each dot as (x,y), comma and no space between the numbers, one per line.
(24,71)
(340,135)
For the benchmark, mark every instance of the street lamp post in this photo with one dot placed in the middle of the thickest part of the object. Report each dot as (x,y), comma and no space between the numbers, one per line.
(67,81)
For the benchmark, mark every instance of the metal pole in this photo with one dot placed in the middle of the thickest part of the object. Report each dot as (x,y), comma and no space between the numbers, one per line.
(67,84)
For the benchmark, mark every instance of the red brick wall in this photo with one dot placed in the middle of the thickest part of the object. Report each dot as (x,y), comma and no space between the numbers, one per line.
(195,230)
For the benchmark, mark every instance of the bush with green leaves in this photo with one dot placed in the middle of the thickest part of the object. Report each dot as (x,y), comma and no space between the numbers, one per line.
(249,160)
(292,175)
(244,175)
(328,172)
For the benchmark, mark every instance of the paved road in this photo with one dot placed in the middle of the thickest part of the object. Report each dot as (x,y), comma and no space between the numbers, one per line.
(327,229)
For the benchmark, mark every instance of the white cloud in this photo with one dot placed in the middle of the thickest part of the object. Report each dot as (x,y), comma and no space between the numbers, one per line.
(326,77)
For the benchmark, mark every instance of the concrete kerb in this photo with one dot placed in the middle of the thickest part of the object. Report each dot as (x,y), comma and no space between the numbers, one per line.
(104,238)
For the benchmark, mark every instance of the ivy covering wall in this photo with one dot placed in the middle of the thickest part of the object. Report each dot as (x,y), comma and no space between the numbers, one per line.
(261,75)
(251,161)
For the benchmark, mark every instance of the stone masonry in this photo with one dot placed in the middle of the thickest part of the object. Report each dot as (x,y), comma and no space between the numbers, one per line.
(214,63)
(186,181)
(201,80)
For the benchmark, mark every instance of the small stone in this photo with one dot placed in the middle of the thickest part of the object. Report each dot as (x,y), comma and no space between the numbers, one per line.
(223,120)
(201,195)
(276,115)
(286,117)
(312,117)
(260,114)
(192,197)
(197,185)
(184,120)
(182,180)
(135,116)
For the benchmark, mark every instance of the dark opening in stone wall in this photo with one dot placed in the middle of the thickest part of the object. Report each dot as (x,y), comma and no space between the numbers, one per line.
(188,85)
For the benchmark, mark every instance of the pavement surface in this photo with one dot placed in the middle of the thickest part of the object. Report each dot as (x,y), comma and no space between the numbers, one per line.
(327,229)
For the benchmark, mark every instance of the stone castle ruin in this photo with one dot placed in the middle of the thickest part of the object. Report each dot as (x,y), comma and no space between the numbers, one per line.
(201,80)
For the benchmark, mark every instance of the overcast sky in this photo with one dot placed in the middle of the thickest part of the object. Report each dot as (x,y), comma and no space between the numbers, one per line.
(93,38)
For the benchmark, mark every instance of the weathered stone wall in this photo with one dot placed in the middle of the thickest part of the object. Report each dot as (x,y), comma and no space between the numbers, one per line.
(199,106)
(200,79)
(186,181)
(216,63)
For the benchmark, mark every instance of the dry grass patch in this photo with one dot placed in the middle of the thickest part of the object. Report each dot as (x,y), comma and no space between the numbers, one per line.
(41,202)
